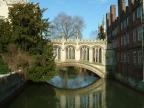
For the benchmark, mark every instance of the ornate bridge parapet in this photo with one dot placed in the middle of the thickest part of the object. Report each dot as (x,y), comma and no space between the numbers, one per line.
(84,53)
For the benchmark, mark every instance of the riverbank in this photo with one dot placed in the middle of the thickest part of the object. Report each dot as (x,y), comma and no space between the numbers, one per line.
(128,82)
(3,67)
(111,95)
(10,85)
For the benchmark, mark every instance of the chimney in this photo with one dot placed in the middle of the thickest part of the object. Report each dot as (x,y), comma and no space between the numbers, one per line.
(112,13)
(121,7)
(130,3)
(108,23)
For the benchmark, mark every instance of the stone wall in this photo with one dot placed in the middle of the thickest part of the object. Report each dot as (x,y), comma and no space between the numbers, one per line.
(5,4)
(77,44)
(9,84)
(3,9)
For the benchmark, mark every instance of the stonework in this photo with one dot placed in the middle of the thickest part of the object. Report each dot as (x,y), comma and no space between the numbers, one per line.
(78,45)
(85,53)
(3,9)
(126,38)
(5,4)
(10,2)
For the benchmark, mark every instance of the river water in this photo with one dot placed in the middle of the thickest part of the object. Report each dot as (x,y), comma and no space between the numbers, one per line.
(78,91)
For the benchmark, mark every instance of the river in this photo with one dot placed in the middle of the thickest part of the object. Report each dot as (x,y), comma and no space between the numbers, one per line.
(78,91)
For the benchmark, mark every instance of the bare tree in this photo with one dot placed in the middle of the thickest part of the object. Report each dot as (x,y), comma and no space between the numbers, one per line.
(65,26)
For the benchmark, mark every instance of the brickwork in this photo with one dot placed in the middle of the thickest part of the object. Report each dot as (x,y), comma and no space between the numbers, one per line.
(125,34)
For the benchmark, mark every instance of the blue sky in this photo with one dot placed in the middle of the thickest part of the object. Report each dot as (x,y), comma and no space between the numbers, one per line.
(92,11)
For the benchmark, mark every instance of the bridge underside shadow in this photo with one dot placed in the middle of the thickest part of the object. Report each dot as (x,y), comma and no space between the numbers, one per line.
(89,67)
(98,86)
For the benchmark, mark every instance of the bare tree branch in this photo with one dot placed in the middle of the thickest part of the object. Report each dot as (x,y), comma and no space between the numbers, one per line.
(67,26)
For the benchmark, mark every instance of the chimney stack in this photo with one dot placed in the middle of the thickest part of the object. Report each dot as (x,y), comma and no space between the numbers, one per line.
(108,22)
(112,13)
(130,3)
(121,7)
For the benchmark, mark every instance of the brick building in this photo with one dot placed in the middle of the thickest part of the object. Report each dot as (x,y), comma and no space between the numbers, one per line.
(125,36)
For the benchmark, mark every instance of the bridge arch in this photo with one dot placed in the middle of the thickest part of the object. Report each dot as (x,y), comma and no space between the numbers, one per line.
(92,68)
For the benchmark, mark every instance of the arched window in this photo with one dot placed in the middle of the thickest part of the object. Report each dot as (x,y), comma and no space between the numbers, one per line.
(70,52)
(57,52)
(84,53)
(100,55)
(95,54)
(94,58)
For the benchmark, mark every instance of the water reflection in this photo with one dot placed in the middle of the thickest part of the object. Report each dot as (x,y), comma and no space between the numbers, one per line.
(101,94)
(71,78)
(39,95)
(91,97)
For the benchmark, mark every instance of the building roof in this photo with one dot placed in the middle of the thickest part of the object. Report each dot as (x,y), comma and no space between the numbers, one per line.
(10,2)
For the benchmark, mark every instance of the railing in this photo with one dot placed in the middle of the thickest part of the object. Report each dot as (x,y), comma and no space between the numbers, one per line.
(77,40)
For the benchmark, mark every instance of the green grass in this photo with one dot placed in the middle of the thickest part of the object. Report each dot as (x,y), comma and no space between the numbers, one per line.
(3,67)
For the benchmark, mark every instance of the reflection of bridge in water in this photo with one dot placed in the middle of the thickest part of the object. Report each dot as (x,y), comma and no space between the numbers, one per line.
(88,54)
(92,96)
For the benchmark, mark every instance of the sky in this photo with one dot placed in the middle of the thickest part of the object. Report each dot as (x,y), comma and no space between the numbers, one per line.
(92,11)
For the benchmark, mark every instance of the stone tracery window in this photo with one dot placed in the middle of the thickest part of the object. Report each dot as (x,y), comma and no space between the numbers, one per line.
(97,55)
(100,55)
(70,52)
(57,52)
(84,53)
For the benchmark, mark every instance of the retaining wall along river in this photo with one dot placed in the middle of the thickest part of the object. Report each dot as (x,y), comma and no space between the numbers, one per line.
(9,85)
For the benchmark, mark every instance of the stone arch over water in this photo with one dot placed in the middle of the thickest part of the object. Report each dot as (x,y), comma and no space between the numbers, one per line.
(89,54)
(91,68)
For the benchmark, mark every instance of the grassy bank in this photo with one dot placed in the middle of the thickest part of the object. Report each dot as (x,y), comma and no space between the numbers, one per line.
(3,67)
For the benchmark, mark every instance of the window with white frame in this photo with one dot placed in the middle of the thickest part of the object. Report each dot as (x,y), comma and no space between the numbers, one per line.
(121,57)
(127,21)
(128,38)
(139,57)
(113,44)
(124,56)
(140,33)
(134,57)
(134,35)
(125,40)
(133,16)
(139,12)
(122,41)
(128,57)
(119,41)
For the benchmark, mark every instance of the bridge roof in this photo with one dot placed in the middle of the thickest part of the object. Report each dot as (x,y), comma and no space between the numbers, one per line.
(80,41)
